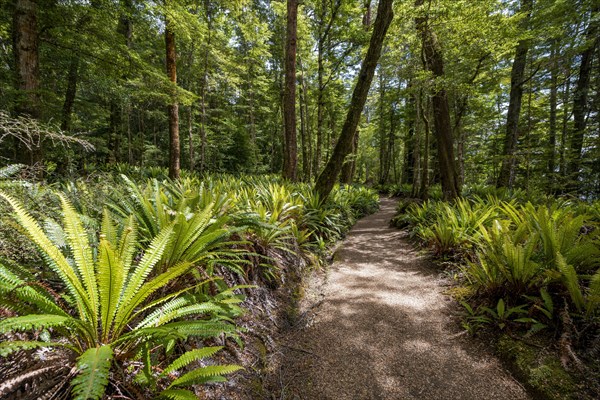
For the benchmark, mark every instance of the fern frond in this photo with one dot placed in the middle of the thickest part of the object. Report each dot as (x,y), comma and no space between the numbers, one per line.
(151,286)
(571,281)
(55,259)
(7,347)
(593,297)
(191,356)
(111,275)
(205,374)
(94,366)
(136,279)
(30,292)
(33,321)
(77,237)
(177,394)
(181,311)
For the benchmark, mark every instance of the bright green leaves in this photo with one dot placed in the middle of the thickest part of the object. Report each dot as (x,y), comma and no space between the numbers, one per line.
(93,366)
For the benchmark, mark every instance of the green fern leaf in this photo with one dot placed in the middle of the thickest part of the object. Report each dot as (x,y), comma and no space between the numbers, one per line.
(77,237)
(138,276)
(111,275)
(205,374)
(191,356)
(94,366)
(177,394)
(55,259)
(7,348)
(571,281)
(33,321)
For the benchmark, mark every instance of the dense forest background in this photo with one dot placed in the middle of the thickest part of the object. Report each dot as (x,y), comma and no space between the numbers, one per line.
(493,92)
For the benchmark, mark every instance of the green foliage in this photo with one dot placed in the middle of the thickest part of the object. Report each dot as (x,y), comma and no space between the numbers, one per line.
(113,297)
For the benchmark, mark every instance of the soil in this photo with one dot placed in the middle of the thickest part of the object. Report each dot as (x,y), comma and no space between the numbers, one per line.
(380,327)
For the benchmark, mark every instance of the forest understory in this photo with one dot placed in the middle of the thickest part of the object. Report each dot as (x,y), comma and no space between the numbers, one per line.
(171,172)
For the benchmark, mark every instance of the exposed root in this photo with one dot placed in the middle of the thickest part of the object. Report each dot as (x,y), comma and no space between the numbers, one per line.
(565,343)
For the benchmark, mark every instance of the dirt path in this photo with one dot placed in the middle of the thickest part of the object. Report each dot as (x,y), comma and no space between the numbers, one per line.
(384,330)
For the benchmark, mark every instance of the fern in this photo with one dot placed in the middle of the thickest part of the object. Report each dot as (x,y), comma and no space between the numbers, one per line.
(10,347)
(191,356)
(93,373)
(213,373)
(33,321)
(177,394)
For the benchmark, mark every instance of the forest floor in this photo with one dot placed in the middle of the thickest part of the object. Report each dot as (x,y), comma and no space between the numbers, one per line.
(378,326)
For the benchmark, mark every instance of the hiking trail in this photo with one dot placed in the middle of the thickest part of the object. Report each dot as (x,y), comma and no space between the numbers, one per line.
(380,327)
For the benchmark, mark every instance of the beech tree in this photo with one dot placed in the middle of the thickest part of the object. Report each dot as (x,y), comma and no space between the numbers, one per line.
(343,147)
(290,148)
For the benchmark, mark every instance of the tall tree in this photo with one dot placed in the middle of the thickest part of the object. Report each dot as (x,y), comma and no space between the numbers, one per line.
(290,149)
(580,101)
(173,107)
(26,58)
(517,79)
(434,62)
(343,147)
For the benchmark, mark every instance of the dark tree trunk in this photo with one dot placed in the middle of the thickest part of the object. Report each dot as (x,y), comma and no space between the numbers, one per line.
(367,15)
(25,51)
(25,48)
(191,137)
(409,142)
(173,108)
(565,124)
(305,128)
(382,150)
(290,149)
(343,147)
(433,61)
(70,93)
(424,190)
(349,167)
(580,104)
(204,88)
(509,161)
(552,128)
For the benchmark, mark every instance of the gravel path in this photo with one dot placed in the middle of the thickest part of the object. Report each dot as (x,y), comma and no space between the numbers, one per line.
(384,330)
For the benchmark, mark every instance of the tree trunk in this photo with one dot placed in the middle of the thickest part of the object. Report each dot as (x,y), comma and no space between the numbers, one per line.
(290,167)
(72,76)
(305,128)
(191,137)
(424,190)
(382,152)
(173,108)
(343,147)
(25,51)
(565,123)
(580,104)
(433,61)
(349,167)
(552,128)
(509,161)
(409,142)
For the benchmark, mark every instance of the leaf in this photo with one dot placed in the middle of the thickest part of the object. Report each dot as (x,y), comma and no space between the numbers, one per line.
(77,237)
(53,256)
(94,367)
(32,321)
(7,347)
(500,308)
(202,375)
(178,394)
(191,356)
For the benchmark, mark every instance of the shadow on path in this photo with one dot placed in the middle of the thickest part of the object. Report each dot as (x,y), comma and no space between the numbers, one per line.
(384,330)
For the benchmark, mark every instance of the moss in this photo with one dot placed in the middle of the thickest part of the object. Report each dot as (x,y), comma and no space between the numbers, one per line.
(538,369)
